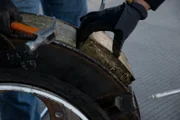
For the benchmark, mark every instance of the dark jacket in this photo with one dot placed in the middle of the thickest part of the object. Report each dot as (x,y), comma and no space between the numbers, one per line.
(154,3)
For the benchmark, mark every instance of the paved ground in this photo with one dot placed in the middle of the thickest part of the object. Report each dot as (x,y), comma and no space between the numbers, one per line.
(153,52)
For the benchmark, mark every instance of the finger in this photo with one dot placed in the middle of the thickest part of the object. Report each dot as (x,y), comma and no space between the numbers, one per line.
(5,23)
(111,17)
(15,16)
(89,15)
(116,49)
(117,43)
(85,31)
(89,19)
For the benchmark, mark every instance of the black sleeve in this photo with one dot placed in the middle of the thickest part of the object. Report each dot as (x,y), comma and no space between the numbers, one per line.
(154,3)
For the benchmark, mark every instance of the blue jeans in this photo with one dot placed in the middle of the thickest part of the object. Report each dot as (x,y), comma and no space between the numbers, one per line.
(19,106)
(67,10)
(23,106)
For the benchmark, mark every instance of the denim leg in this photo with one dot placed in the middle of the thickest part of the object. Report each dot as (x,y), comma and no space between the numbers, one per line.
(66,10)
(29,6)
(19,106)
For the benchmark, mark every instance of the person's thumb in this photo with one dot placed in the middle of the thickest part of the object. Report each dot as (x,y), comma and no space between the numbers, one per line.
(16,16)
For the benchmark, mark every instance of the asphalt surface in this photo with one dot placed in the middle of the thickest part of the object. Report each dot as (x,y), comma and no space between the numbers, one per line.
(153,53)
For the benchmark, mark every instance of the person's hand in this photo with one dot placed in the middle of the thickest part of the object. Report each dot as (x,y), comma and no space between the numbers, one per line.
(121,20)
(8,14)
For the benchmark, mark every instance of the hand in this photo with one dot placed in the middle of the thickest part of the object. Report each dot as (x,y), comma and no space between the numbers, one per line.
(8,14)
(121,20)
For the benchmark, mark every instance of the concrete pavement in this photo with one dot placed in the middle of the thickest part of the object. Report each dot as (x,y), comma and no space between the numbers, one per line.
(153,52)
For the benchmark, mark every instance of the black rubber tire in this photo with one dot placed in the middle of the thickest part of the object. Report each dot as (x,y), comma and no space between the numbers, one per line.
(81,101)
(66,64)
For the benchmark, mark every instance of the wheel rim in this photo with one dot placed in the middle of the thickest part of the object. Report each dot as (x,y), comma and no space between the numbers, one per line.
(43,93)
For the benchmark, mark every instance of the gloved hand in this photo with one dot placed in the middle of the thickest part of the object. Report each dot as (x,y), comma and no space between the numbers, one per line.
(121,20)
(8,13)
